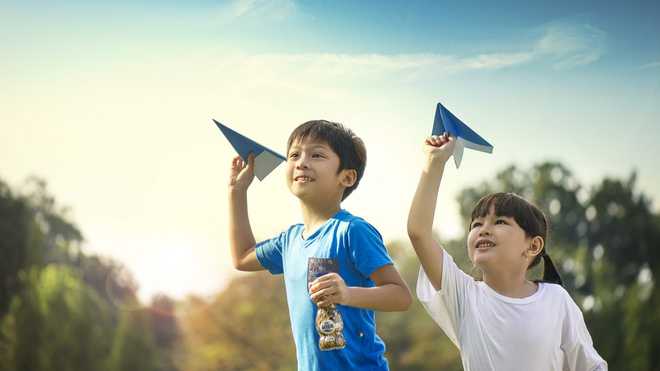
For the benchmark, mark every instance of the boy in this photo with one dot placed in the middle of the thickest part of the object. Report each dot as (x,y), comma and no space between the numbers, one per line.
(325,162)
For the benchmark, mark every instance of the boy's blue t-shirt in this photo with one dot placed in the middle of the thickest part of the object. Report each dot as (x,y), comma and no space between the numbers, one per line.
(358,249)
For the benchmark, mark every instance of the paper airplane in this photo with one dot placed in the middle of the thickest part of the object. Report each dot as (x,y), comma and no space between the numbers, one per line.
(445,121)
(265,160)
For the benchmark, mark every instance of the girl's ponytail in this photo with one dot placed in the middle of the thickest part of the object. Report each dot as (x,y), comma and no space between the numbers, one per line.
(550,273)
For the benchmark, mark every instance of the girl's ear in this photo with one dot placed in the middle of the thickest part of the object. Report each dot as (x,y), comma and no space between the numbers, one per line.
(348,177)
(535,246)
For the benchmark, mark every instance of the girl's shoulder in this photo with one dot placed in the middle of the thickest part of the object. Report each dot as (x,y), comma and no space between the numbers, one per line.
(558,293)
(555,291)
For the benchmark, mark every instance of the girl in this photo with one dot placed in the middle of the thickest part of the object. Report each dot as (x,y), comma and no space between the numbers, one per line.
(505,322)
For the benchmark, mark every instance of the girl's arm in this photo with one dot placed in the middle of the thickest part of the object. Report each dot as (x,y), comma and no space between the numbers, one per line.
(420,219)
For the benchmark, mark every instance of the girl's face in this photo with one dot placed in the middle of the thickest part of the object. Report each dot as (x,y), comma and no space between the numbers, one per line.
(497,241)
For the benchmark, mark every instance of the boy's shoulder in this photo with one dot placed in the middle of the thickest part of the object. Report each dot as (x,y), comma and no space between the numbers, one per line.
(352,220)
(294,229)
(354,224)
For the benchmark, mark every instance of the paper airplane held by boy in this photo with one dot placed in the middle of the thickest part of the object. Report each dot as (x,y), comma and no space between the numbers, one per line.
(265,159)
(445,121)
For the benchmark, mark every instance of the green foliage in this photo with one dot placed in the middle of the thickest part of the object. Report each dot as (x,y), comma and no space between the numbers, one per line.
(61,309)
(64,310)
(133,347)
(246,327)
(56,323)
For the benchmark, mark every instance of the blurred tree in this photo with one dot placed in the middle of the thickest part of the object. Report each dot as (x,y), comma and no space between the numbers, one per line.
(133,347)
(166,332)
(56,323)
(17,245)
(61,309)
(246,327)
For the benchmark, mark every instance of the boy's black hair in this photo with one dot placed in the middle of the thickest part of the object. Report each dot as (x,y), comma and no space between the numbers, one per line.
(529,217)
(349,147)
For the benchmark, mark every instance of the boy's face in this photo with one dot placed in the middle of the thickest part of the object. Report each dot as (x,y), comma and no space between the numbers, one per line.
(497,241)
(311,171)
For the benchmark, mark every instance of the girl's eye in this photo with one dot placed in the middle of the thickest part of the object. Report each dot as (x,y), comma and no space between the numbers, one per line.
(501,221)
(293,155)
(475,225)
(317,155)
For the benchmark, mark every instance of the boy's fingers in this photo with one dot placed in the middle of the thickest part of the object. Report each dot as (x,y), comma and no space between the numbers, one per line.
(320,286)
(326,300)
(325,277)
(320,294)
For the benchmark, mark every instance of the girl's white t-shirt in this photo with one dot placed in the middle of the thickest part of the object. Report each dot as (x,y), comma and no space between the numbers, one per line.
(542,332)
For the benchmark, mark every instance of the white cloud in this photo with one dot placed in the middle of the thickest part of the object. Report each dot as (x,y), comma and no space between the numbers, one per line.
(650,65)
(564,45)
(335,67)
(263,10)
(569,45)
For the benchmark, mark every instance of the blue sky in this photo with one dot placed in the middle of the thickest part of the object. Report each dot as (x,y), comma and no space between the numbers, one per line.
(111,103)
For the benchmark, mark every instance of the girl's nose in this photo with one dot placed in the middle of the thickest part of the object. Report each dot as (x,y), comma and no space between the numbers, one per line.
(484,231)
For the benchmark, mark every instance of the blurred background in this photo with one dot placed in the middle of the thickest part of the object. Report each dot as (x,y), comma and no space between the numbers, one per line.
(113,210)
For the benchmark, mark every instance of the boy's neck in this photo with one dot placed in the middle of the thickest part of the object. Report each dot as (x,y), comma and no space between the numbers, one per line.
(510,284)
(314,215)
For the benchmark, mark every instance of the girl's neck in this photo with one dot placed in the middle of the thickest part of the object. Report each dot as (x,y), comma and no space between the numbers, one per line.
(513,285)
(314,215)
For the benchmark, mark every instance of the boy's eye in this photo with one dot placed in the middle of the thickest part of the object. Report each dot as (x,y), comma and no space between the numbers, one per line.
(293,155)
(317,155)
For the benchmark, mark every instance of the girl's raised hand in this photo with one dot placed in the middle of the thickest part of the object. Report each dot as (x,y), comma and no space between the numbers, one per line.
(439,147)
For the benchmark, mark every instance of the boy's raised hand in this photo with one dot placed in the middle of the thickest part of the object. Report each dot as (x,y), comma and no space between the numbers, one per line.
(241,174)
(439,147)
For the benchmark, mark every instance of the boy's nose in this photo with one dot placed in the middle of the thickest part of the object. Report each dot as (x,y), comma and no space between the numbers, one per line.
(301,164)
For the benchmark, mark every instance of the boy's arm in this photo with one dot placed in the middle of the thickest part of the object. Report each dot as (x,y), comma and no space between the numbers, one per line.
(422,210)
(241,239)
(389,295)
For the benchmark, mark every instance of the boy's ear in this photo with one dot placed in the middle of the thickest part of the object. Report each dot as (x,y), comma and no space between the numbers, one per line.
(535,246)
(347,177)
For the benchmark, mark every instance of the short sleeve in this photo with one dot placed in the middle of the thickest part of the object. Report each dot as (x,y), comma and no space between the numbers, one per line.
(578,348)
(446,306)
(269,253)
(366,248)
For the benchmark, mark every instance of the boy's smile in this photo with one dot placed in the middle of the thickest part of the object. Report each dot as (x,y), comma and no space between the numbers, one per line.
(303,179)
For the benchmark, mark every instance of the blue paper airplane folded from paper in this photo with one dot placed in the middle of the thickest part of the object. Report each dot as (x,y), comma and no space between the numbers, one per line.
(445,121)
(265,160)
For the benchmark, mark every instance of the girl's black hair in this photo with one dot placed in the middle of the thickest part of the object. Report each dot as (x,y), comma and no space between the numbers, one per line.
(529,217)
